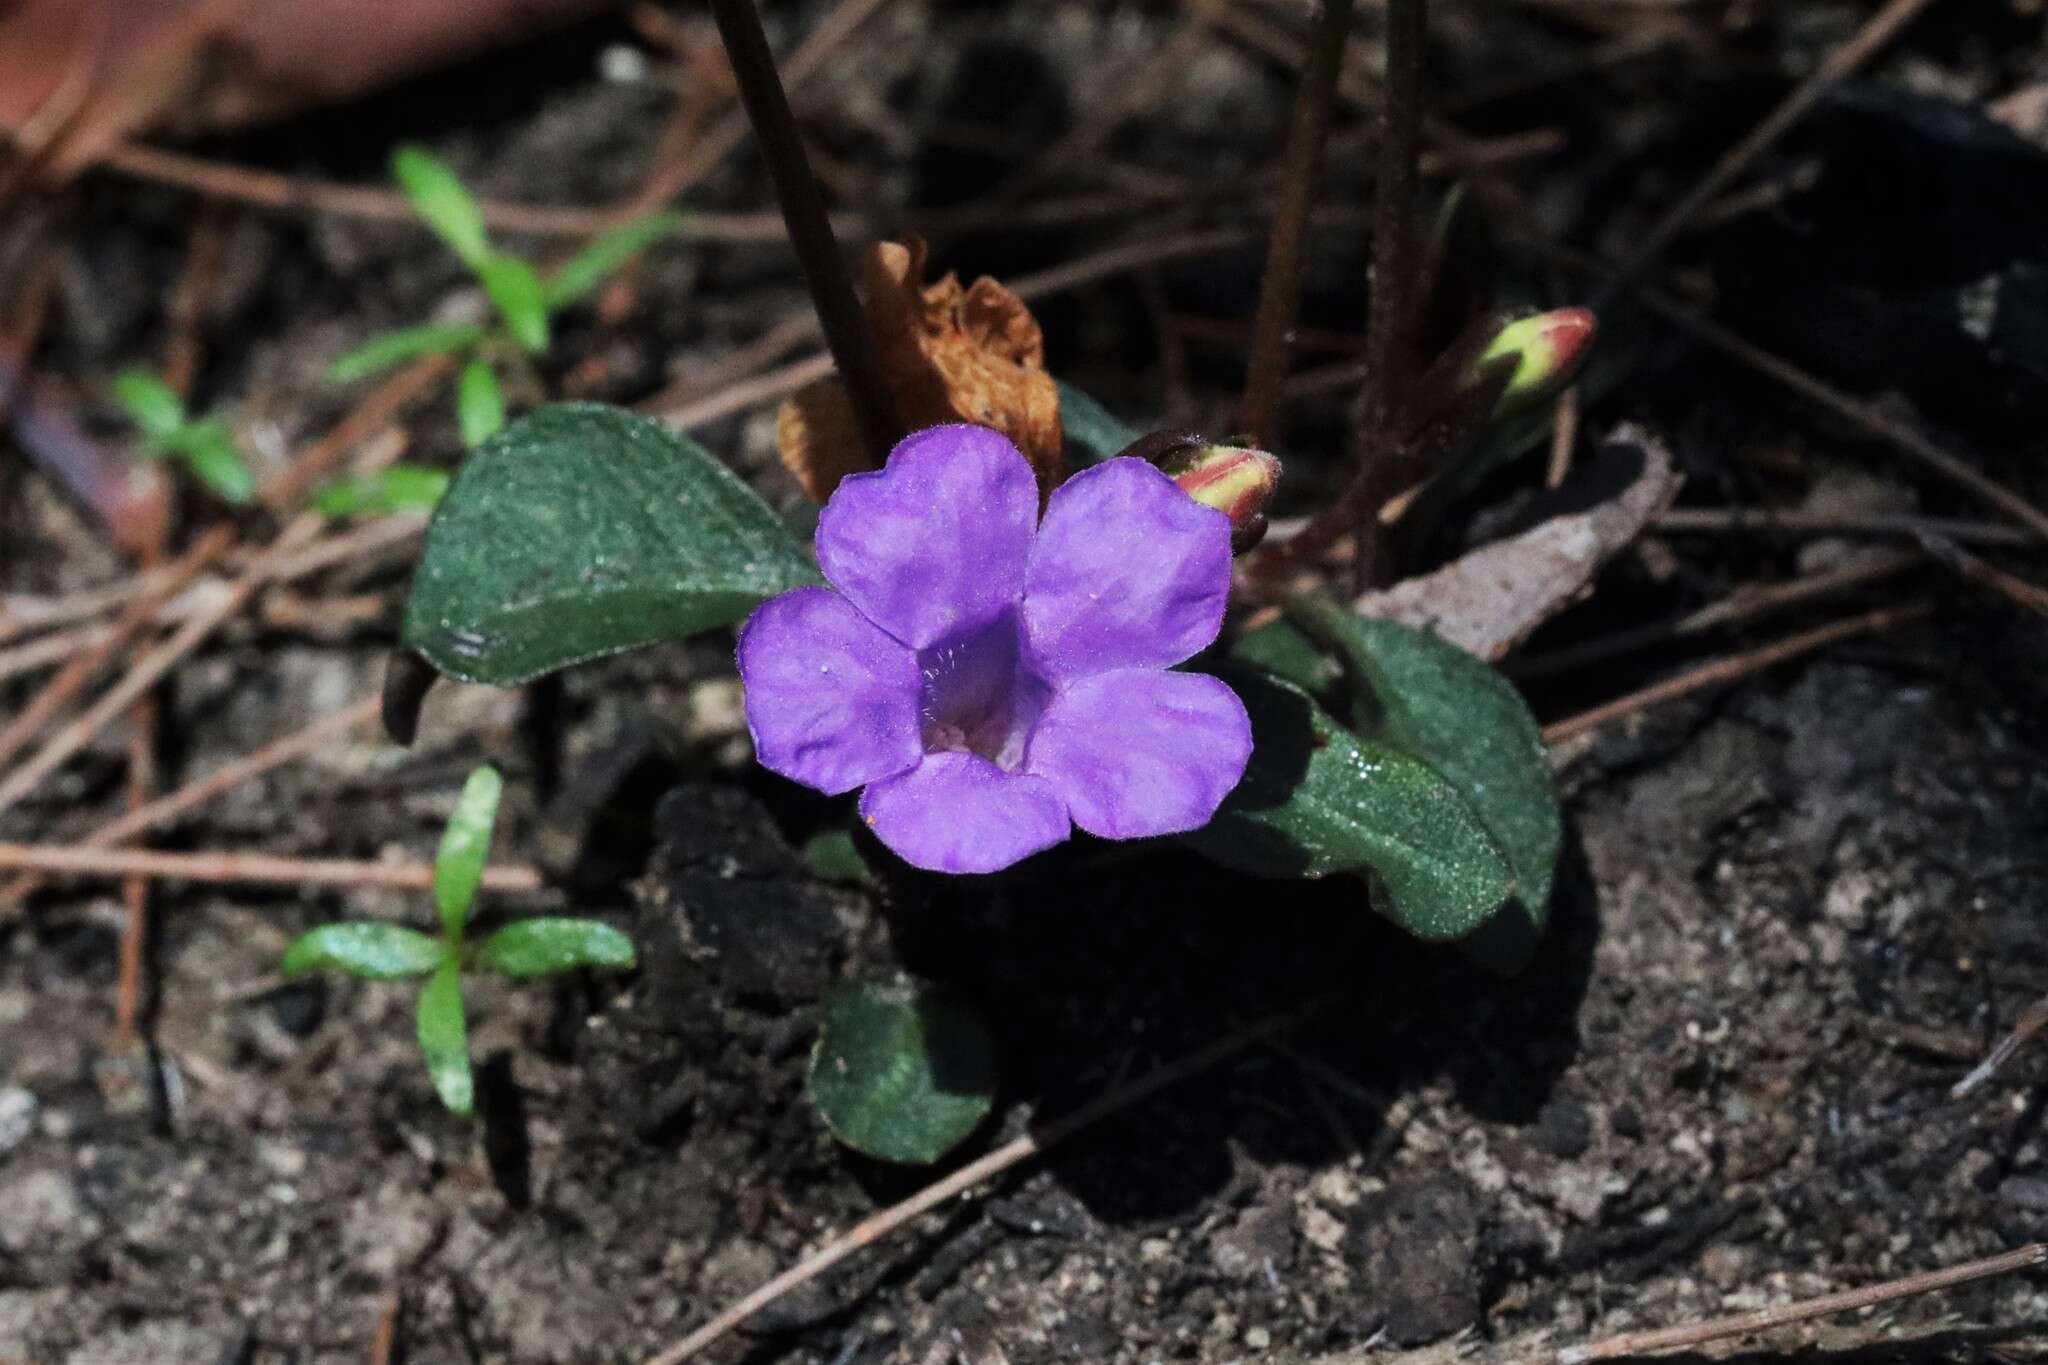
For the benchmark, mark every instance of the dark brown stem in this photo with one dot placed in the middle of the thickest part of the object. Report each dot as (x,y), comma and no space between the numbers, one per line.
(1388,354)
(810,231)
(1280,289)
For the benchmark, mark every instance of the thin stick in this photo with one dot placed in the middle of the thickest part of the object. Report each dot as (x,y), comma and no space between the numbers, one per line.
(1736,666)
(57,693)
(1012,1153)
(151,668)
(1280,288)
(2031,1022)
(135,890)
(1743,604)
(1387,358)
(201,791)
(1564,435)
(1900,437)
(1738,520)
(70,860)
(1763,1319)
(810,231)
(384,1345)
(1841,63)
(1987,575)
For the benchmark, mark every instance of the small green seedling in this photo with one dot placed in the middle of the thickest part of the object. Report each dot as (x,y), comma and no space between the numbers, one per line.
(400,488)
(169,432)
(523,298)
(375,951)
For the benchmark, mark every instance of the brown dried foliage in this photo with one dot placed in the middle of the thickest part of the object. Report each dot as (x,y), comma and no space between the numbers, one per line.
(951,354)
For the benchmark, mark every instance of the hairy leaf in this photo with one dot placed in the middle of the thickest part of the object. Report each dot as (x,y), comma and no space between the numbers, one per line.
(548,947)
(367,949)
(901,1073)
(579,531)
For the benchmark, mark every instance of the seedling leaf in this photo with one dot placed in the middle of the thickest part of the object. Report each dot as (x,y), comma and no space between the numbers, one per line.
(459,867)
(901,1073)
(1318,800)
(604,254)
(516,293)
(389,349)
(548,947)
(400,488)
(443,202)
(479,403)
(366,949)
(444,1038)
(646,538)
(151,404)
(209,452)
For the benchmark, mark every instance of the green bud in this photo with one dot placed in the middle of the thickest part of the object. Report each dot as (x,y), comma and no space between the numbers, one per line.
(1548,350)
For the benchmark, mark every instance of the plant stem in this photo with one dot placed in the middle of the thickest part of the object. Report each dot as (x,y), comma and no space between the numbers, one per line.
(1388,357)
(810,231)
(1280,289)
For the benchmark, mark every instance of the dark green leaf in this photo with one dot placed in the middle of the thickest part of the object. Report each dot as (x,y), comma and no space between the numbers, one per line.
(580,531)
(1281,649)
(388,349)
(444,1038)
(547,947)
(151,404)
(479,403)
(400,488)
(465,844)
(443,202)
(516,293)
(1465,720)
(1317,800)
(833,856)
(901,1073)
(605,253)
(1091,433)
(366,949)
(209,452)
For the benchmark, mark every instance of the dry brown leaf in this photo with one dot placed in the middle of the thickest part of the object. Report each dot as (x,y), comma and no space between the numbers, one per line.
(950,354)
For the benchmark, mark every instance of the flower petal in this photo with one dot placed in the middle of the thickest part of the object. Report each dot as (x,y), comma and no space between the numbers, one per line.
(958,812)
(831,697)
(1138,752)
(1127,572)
(935,543)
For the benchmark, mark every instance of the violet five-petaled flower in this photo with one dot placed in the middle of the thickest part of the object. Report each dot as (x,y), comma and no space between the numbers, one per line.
(992,679)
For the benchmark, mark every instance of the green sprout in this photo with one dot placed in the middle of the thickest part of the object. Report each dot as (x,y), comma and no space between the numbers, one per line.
(169,432)
(524,298)
(372,950)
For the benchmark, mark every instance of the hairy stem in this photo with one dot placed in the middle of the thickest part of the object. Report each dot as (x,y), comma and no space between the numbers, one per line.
(1389,354)
(1280,288)
(810,230)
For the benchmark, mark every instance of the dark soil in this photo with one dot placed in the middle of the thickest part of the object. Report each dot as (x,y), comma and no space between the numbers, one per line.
(1792,913)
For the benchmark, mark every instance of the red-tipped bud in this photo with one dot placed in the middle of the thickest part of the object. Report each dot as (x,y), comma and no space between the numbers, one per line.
(1232,479)
(1548,350)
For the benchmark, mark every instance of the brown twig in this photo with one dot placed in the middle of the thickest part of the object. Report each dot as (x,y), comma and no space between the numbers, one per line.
(83,667)
(1985,575)
(1745,603)
(384,1345)
(1895,434)
(1743,520)
(1280,287)
(142,722)
(1841,63)
(369,417)
(70,860)
(1010,1154)
(810,231)
(2031,1022)
(1721,672)
(1763,1319)
(1564,435)
(201,791)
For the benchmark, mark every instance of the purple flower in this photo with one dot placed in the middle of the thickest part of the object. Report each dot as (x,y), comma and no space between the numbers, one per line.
(994,680)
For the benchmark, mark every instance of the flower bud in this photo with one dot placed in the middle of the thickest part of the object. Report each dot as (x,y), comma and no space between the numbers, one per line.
(1547,348)
(1236,481)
